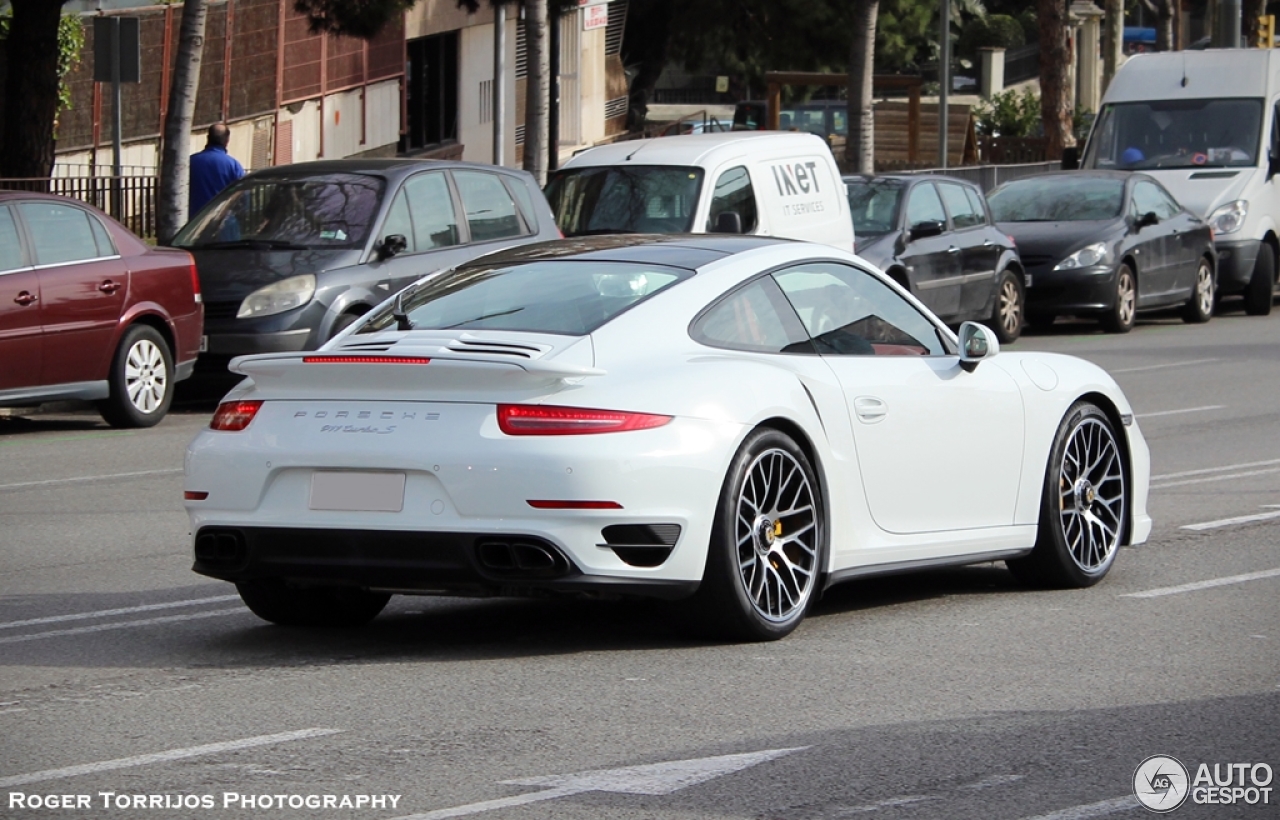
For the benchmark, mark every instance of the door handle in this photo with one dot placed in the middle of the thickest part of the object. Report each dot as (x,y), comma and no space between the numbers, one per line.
(26,298)
(109,286)
(869,409)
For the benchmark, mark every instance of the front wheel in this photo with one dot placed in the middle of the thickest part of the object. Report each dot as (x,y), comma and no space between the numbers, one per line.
(1199,308)
(1124,310)
(1257,295)
(274,600)
(767,543)
(1083,504)
(1010,305)
(140,380)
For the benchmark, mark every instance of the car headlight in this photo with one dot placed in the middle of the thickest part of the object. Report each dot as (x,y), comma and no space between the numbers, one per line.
(1229,218)
(1096,254)
(278,297)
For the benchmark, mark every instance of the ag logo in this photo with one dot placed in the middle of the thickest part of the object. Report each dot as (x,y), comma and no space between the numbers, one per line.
(1161,783)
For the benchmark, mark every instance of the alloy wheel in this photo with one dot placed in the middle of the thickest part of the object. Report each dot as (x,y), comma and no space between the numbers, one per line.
(1091,494)
(1010,307)
(1204,288)
(776,531)
(145,375)
(1125,298)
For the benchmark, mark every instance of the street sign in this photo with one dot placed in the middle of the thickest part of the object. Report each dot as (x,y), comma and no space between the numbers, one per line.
(594,17)
(112,36)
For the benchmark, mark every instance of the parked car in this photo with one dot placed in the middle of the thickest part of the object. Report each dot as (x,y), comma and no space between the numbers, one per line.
(88,311)
(825,118)
(290,256)
(934,236)
(769,184)
(1107,243)
(725,417)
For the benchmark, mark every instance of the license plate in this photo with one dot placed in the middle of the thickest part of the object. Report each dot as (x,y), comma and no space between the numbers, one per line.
(204,344)
(357,492)
(1028,282)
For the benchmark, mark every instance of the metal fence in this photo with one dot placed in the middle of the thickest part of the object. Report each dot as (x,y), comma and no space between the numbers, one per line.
(1021,64)
(989,176)
(132,200)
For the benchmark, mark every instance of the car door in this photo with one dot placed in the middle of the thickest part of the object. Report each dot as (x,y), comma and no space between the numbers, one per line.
(933,261)
(1159,246)
(83,287)
(939,448)
(423,211)
(1186,243)
(978,254)
(20,343)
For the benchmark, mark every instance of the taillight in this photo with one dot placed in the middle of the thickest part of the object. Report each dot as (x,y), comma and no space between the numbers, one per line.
(365,360)
(195,283)
(543,420)
(234,415)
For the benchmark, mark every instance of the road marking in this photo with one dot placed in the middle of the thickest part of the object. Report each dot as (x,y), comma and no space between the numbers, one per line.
(79,479)
(1227,522)
(83,630)
(1180,412)
(652,779)
(1161,366)
(887,804)
(1210,479)
(1226,469)
(1099,809)
(163,757)
(106,613)
(1198,585)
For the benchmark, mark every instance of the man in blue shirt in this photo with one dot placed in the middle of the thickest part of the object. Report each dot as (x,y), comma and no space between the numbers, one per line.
(212,169)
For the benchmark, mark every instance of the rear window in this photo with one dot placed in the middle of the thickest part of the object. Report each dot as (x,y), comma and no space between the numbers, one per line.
(632,199)
(298,213)
(570,298)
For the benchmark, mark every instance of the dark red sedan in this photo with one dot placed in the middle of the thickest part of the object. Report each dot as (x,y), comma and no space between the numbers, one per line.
(89,311)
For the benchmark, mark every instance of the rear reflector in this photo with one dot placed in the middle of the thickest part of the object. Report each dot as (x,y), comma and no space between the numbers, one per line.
(574,505)
(543,420)
(234,415)
(194,495)
(365,360)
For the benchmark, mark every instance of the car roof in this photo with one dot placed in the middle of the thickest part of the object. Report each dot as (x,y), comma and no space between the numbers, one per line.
(690,251)
(696,149)
(1119,176)
(907,178)
(389,167)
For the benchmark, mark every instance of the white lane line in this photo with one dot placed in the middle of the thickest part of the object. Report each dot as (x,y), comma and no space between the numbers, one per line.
(163,757)
(78,479)
(500,803)
(887,804)
(1209,479)
(1161,366)
(1198,585)
(1228,522)
(10,711)
(1224,469)
(1099,809)
(106,613)
(84,630)
(1180,412)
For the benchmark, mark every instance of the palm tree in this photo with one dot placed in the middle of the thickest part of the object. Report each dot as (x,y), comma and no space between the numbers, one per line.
(1055,60)
(859,148)
(176,156)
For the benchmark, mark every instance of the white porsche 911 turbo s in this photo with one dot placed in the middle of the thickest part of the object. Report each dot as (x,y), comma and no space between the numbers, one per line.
(741,420)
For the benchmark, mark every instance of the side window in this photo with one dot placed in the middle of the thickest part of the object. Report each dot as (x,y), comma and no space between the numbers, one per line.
(849,312)
(435,225)
(963,214)
(400,222)
(975,201)
(525,201)
(753,317)
(491,213)
(10,247)
(103,239)
(61,233)
(1169,205)
(924,206)
(733,192)
(1147,198)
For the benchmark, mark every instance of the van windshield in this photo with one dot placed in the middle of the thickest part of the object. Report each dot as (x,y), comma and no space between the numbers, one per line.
(632,199)
(1176,134)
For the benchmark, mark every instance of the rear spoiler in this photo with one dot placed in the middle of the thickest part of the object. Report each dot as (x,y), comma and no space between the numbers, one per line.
(274,364)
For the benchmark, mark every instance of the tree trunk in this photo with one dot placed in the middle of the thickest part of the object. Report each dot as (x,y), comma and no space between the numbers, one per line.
(1164,12)
(1251,10)
(537,89)
(31,90)
(175,160)
(860,148)
(1055,62)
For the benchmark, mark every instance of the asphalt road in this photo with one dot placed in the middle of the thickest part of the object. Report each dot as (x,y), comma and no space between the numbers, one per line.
(950,694)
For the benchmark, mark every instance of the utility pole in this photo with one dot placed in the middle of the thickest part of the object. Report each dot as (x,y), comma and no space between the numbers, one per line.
(944,78)
(499,82)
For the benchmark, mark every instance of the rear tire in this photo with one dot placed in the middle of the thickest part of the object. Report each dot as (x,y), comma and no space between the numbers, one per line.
(1257,296)
(1199,308)
(1123,312)
(1006,318)
(140,380)
(1083,505)
(768,542)
(272,599)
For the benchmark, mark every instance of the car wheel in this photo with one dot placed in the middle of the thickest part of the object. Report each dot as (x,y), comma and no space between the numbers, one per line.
(1199,308)
(1006,320)
(767,544)
(272,599)
(1120,318)
(343,322)
(1083,504)
(1257,296)
(140,380)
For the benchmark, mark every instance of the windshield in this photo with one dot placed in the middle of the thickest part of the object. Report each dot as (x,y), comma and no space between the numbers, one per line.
(290,213)
(1057,198)
(570,298)
(631,199)
(874,205)
(1176,134)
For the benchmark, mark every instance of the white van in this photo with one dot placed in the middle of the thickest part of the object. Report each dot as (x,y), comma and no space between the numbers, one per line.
(764,183)
(1204,123)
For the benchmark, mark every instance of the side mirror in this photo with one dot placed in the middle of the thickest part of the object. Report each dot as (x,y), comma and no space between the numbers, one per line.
(976,343)
(1149,218)
(394,243)
(923,230)
(1071,158)
(1273,165)
(727,222)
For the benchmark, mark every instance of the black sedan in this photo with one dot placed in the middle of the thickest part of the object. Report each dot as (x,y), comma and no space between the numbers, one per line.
(934,236)
(1109,244)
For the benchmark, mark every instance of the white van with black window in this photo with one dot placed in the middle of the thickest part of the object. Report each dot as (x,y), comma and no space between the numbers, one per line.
(764,183)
